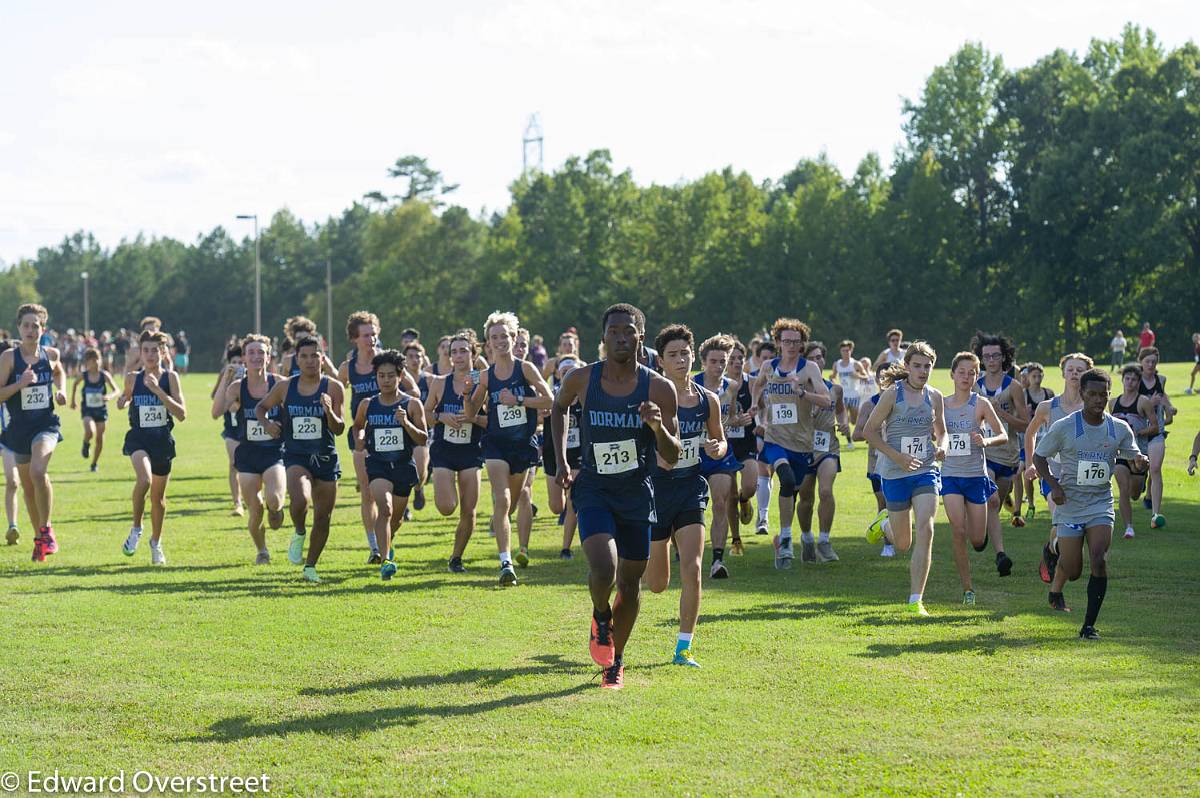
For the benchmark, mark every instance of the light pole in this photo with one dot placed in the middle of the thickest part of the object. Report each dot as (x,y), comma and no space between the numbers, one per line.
(87,316)
(257,275)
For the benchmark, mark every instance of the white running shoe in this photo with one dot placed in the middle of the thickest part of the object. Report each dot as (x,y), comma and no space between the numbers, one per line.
(1128,532)
(156,554)
(783,553)
(888,550)
(718,570)
(131,542)
(296,549)
(825,552)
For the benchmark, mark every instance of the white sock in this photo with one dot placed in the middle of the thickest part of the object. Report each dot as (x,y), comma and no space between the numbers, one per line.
(504,557)
(806,537)
(154,544)
(137,530)
(823,537)
(785,533)
(685,637)
(914,597)
(763,495)
(371,541)
(263,550)
(886,526)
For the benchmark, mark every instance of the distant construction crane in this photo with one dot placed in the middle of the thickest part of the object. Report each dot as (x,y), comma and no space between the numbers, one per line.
(531,146)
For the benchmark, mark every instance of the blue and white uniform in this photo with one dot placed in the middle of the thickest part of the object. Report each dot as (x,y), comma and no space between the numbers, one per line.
(964,471)
(455,449)
(31,409)
(150,424)
(307,439)
(362,386)
(681,492)
(909,430)
(729,464)
(1087,455)
(510,429)
(257,451)
(389,446)
(1003,460)
(94,405)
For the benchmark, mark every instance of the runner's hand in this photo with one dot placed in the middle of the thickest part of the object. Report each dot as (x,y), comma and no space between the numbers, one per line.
(651,415)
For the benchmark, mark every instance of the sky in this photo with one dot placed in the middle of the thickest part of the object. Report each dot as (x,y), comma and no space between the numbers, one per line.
(169,119)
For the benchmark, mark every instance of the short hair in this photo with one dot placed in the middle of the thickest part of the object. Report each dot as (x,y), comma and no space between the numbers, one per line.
(232,352)
(639,318)
(846,342)
(813,346)
(388,356)
(896,332)
(148,320)
(1007,350)
(296,325)
(1062,363)
(1131,368)
(536,340)
(407,331)
(255,338)
(796,325)
(153,337)
(1146,352)
(91,353)
(307,340)
(522,331)
(468,336)
(674,332)
(357,319)
(719,342)
(739,346)
(764,345)
(1094,375)
(505,319)
(32,307)
(960,357)
(414,345)
(1033,366)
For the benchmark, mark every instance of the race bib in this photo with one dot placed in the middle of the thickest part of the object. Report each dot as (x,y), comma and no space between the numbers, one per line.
(958,444)
(256,432)
(93,399)
(459,436)
(510,416)
(573,438)
(820,441)
(783,413)
(616,457)
(689,452)
(306,428)
(1092,472)
(915,446)
(152,416)
(735,432)
(35,397)
(388,439)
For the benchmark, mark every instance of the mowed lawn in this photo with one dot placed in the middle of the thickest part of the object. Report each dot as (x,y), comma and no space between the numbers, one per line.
(813,682)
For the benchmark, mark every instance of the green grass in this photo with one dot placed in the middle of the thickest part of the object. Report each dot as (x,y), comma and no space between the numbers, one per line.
(812,683)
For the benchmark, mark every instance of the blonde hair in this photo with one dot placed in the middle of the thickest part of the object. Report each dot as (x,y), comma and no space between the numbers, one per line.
(357,319)
(960,357)
(1062,364)
(507,320)
(255,338)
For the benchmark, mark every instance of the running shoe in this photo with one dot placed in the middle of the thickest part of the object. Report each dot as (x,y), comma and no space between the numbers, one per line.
(275,518)
(1048,565)
(1157,521)
(825,552)
(849,446)
(407,514)
(562,518)
(565,554)
(969,598)
(387,570)
(310,574)
(1058,603)
(718,570)
(456,566)
(49,542)
(1030,512)
(374,558)
(419,498)
(875,528)
(1149,505)
(157,557)
(736,546)
(1003,564)
(95,468)
(685,658)
(131,542)
(808,551)
(1187,391)
(761,529)
(783,553)
(745,511)
(600,642)
(263,558)
(1089,633)
(13,536)
(1017,520)
(296,549)
(1129,533)
(86,450)
(39,553)
(614,677)
(888,550)
(238,510)
(508,577)
(522,558)
(534,509)
(917,608)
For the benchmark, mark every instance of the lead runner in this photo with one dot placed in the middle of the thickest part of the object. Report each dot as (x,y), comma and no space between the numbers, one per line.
(627,412)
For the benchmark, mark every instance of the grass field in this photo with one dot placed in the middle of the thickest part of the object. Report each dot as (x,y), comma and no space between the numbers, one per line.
(813,682)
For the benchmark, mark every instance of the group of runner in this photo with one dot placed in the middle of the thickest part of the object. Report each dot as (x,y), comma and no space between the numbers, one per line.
(635,447)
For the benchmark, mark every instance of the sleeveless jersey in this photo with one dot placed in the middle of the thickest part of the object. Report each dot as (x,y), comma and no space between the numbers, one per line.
(386,438)
(1156,389)
(963,457)
(451,402)
(617,446)
(909,430)
(93,393)
(872,452)
(787,423)
(847,377)
(693,431)
(147,413)
(726,399)
(304,429)
(510,424)
(1008,453)
(1057,413)
(1088,455)
(1130,415)
(362,386)
(249,431)
(32,407)
(824,423)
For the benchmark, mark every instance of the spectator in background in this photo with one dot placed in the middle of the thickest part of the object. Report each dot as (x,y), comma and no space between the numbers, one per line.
(1117,345)
(1196,359)
(182,351)
(537,352)
(1147,338)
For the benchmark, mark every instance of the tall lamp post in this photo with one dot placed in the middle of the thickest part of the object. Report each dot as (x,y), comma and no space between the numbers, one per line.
(87,316)
(257,275)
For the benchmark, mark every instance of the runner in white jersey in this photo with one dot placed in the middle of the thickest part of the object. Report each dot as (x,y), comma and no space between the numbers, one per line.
(894,352)
(827,464)
(1035,394)
(880,526)
(909,430)
(849,374)
(1047,413)
(740,431)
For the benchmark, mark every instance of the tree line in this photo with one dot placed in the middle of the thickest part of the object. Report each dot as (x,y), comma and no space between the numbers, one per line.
(1056,203)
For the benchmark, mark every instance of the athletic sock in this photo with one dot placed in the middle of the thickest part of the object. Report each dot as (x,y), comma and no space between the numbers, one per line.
(601,617)
(913,598)
(886,526)
(823,537)
(505,557)
(763,495)
(718,554)
(806,537)
(684,642)
(1054,545)
(1096,588)
(300,531)
(264,550)
(785,533)
(371,541)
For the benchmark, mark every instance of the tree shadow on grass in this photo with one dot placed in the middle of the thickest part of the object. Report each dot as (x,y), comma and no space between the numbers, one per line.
(261,585)
(483,677)
(111,569)
(774,612)
(986,644)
